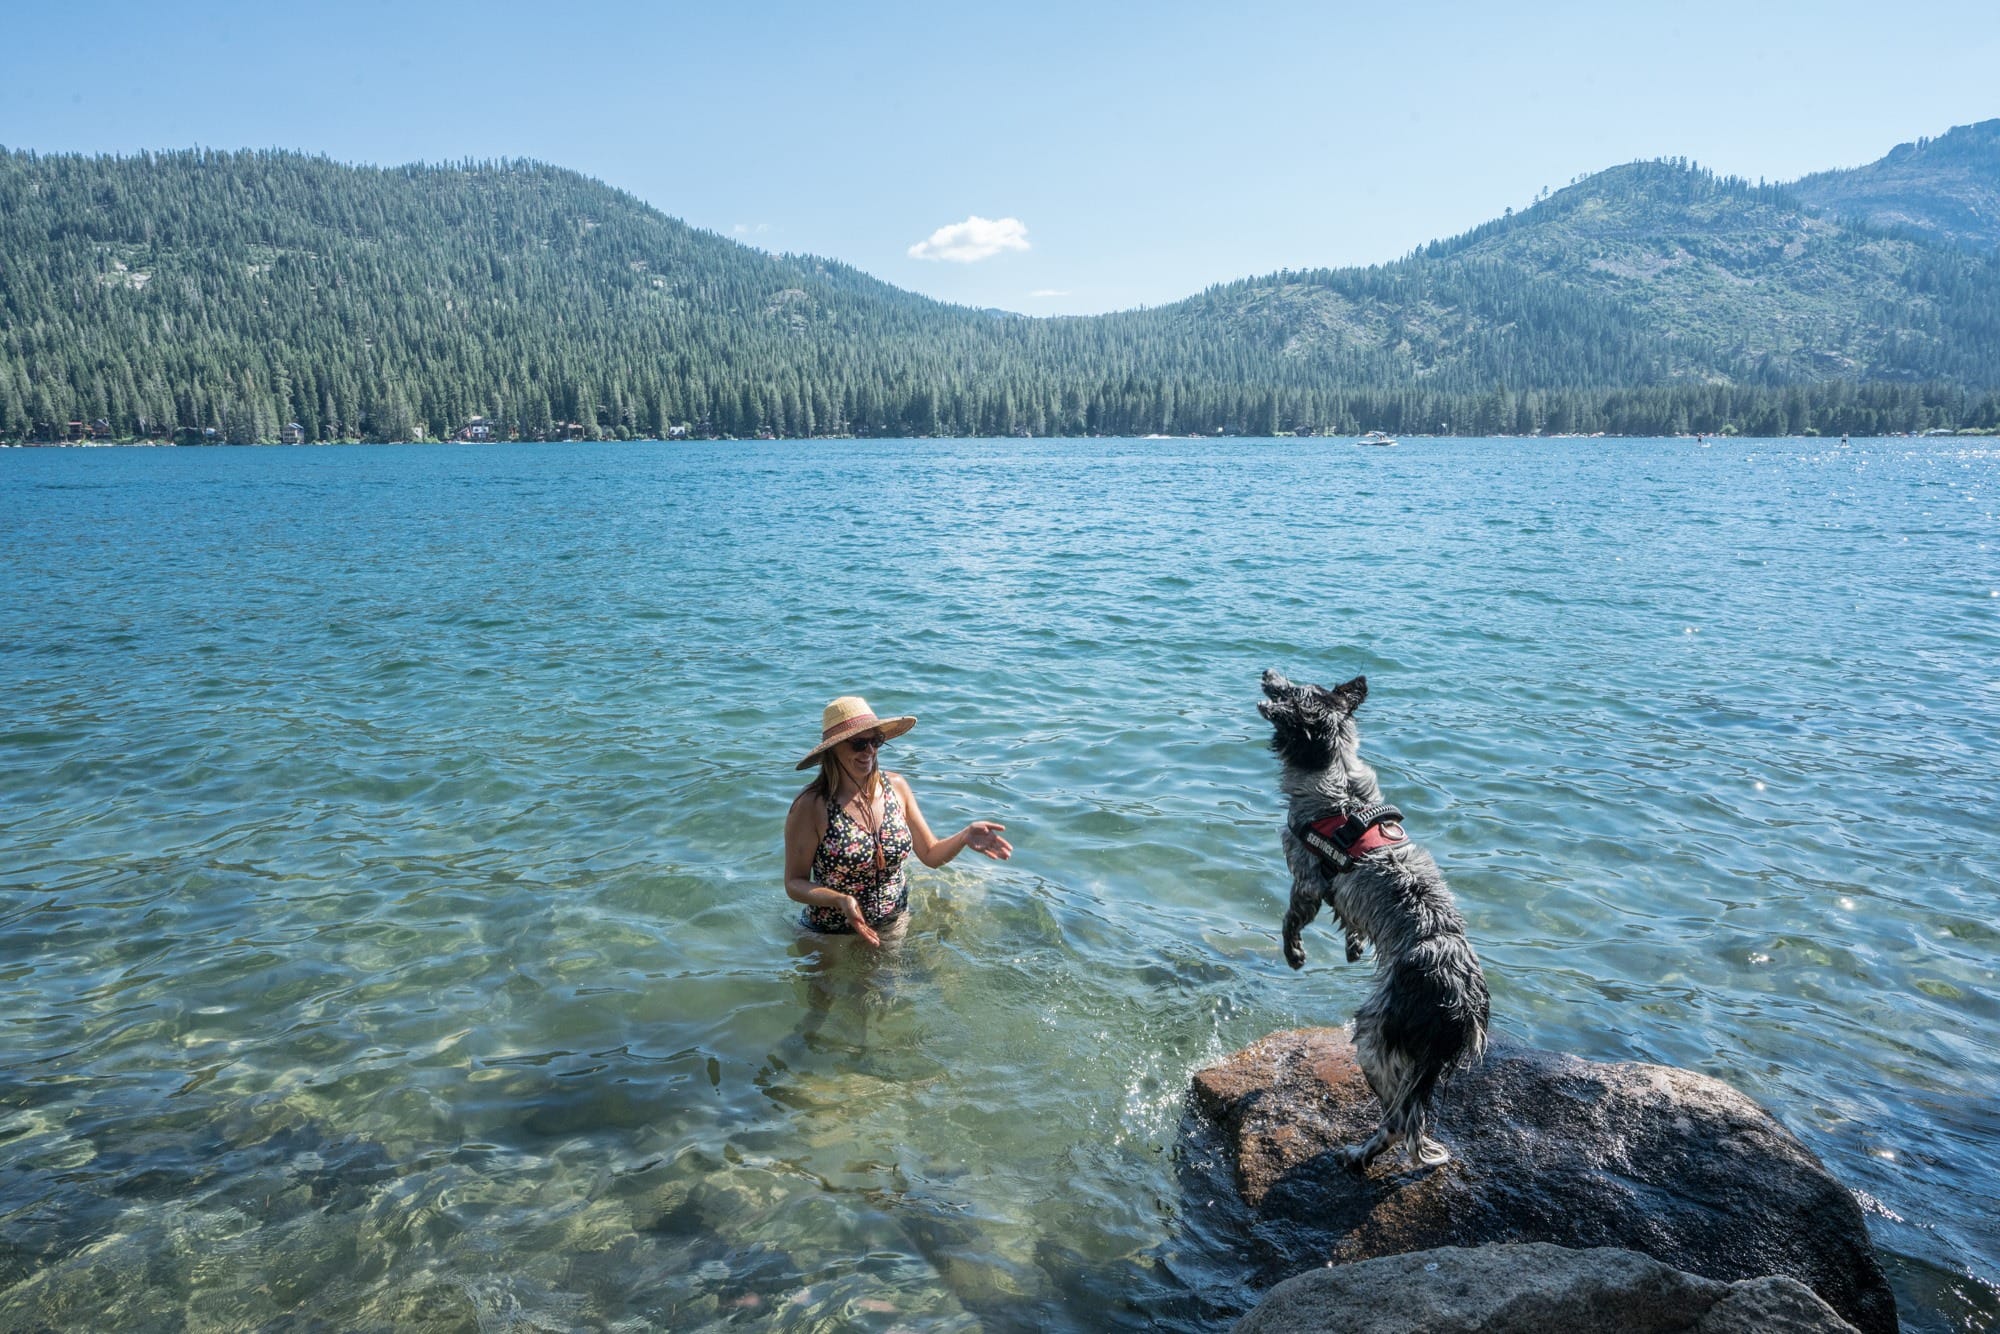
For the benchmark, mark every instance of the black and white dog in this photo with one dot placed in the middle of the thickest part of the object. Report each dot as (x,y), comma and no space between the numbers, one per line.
(1347,849)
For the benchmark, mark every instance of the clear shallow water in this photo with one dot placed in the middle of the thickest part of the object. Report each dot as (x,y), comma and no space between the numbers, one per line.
(390,921)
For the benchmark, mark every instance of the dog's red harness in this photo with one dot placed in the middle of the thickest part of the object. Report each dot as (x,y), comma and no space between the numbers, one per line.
(1343,839)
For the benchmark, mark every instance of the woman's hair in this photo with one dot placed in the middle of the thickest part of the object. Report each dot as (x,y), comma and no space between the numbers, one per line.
(828,781)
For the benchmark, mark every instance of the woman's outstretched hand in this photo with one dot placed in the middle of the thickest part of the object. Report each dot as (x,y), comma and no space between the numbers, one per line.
(859,920)
(984,836)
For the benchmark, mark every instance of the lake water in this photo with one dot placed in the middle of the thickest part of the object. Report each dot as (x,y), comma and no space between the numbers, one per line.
(391,930)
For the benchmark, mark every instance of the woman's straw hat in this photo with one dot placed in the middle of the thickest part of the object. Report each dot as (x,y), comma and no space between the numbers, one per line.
(850,716)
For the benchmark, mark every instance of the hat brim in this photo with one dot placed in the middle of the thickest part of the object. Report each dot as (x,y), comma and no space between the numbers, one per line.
(888,727)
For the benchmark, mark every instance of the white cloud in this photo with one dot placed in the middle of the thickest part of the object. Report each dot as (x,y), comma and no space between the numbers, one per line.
(974,239)
(750,229)
(1048,291)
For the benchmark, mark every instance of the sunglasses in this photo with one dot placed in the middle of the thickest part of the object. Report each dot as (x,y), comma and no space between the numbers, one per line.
(862,743)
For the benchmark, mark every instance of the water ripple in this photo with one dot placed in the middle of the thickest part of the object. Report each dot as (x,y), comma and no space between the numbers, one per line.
(389,922)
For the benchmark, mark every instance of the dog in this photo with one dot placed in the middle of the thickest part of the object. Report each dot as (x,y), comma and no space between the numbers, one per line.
(1428,1011)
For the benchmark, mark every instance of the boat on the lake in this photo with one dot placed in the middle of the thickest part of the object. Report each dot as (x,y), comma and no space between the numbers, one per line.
(1377,438)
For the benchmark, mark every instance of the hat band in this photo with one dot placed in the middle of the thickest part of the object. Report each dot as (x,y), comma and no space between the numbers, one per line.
(847,724)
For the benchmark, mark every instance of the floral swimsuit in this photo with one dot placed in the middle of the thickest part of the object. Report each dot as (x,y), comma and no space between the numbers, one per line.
(845,862)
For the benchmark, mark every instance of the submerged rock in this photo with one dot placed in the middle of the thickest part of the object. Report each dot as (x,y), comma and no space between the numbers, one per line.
(1546,1148)
(1534,1288)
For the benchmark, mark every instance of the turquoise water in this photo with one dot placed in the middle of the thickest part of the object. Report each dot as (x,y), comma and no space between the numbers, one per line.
(391,931)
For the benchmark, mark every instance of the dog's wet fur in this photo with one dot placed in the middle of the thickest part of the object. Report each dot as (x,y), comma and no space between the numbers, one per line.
(1428,1011)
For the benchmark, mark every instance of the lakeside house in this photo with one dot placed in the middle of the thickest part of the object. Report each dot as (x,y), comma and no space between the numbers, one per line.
(291,433)
(477,430)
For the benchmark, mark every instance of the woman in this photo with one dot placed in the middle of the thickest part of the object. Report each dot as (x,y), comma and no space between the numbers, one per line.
(849,832)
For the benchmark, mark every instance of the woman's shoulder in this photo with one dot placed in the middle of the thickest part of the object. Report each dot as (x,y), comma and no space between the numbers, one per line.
(898,782)
(810,802)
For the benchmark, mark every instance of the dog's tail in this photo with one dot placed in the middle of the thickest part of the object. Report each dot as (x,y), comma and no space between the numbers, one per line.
(1435,1021)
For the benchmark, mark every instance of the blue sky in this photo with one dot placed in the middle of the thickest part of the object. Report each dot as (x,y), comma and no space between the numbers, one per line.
(1052,158)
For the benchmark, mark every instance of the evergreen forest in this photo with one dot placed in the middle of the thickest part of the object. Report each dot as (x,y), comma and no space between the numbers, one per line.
(260,296)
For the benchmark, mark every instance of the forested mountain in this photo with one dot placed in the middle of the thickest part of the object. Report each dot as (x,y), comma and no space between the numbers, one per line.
(1947,188)
(183,293)
(1649,275)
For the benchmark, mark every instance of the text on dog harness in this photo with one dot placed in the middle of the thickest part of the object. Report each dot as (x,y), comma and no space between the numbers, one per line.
(1344,839)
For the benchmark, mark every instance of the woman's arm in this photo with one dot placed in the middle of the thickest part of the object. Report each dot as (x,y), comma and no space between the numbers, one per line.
(803,826)
(980,835)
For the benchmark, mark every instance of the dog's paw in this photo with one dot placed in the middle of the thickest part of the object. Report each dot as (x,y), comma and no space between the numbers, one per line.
(1427,1152)
(1295,954)
(1351,1159)
(1354,948)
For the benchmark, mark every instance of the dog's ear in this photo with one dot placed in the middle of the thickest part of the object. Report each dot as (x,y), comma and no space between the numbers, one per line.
(1348,696)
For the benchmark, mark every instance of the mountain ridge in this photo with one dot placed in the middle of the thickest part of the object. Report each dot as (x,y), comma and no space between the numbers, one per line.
(1946,187)
(195,292)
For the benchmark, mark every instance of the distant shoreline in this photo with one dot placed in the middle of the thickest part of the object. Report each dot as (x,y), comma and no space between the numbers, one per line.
(1969,432)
